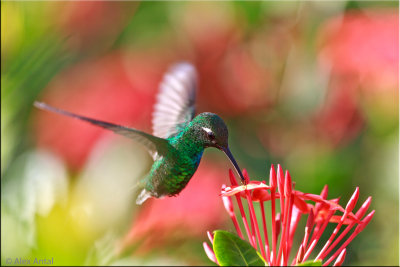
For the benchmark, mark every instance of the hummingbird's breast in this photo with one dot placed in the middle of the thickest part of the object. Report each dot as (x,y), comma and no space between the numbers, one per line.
(169,175)
(172,172)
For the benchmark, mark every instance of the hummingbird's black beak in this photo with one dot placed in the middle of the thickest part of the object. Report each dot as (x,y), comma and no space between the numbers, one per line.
(232,159)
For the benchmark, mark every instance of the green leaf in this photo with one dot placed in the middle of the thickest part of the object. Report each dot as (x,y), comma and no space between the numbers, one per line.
(310,263)
(252,10)
(231,250)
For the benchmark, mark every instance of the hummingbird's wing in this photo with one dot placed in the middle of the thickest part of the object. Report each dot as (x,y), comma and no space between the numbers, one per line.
(155,145)
(175,106)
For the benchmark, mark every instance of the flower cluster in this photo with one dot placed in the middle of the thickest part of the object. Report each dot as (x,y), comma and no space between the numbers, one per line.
(292,204)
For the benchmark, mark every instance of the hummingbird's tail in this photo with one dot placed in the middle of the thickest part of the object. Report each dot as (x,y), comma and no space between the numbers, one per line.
(153,144)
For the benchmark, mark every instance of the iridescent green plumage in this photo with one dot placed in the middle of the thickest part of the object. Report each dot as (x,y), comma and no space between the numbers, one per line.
(179,138)
(170,174)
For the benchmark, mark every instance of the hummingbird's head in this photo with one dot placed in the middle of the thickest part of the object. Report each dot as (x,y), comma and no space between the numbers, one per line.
(212,131)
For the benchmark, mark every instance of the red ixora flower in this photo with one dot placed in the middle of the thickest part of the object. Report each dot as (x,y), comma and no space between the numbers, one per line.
(292,205)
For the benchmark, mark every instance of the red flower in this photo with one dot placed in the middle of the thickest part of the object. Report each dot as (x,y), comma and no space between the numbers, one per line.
(340,119)
(364,44)
(359,49)
(293,205)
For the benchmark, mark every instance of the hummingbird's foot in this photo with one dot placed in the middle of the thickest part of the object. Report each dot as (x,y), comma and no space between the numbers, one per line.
(143,196)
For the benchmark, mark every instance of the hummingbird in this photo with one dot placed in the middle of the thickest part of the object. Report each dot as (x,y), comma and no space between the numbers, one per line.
(179,137)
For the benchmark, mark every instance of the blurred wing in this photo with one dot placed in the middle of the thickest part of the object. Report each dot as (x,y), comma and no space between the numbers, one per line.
(154,145)
(175,101)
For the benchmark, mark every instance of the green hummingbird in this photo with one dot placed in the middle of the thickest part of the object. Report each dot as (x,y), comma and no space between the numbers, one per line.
(179,137)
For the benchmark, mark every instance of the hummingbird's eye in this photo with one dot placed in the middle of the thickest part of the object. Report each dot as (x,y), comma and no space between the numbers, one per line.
(211,136)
